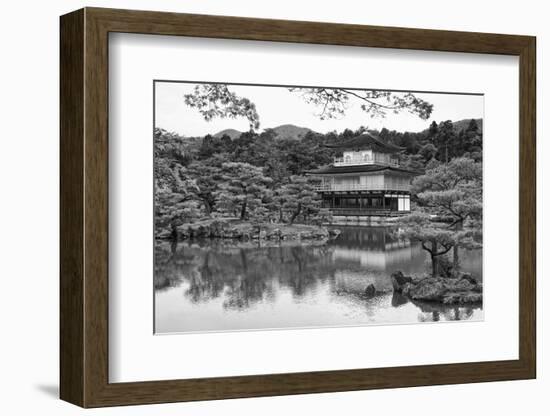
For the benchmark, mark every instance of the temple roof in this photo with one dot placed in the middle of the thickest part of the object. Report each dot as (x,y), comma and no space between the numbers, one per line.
(366,141)
(330,170)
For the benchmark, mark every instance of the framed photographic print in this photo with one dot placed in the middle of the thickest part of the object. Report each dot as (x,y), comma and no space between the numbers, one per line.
(255,207)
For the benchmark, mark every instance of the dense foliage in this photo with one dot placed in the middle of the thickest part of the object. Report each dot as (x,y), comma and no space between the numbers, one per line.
(451,191)
(218,101)
(262,177)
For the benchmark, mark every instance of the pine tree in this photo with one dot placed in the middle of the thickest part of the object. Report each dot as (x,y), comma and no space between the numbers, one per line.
(437,241)
(242,189)
(452,190)
(207,178)
(176,199)
(301,199)
(445,140)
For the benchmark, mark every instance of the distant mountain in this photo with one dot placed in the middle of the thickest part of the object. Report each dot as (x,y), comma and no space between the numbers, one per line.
(232,133)
(463,124)
(285,131)
(290,131)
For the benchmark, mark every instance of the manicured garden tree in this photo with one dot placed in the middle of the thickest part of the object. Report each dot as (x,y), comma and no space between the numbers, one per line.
(176,197)
(453,189)
(171,147)
(242,188)
(207,178)
(469,239)
(435,239)
(450,191)
(313,211)
(300,198)
(172,209)
(279,201)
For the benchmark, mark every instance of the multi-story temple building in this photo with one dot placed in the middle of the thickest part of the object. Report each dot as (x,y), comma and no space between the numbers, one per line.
(366,180)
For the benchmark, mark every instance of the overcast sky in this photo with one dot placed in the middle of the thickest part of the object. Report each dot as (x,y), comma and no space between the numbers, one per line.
(277,105)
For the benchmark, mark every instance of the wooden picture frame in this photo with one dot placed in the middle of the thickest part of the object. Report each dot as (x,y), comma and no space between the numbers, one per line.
(84,207)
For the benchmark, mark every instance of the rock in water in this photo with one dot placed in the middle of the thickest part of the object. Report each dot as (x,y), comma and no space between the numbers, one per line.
(370,291)
(334,233)
(462,290)
(428,289)
(398,281)
(468,277)
(462,298)
(445,290)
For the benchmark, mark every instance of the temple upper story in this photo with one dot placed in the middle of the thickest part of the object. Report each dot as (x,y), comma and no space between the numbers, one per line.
(366,157)
(366,149)
(365,179)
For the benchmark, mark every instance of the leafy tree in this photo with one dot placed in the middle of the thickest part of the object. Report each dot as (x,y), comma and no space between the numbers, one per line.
(452,190)
(215,100)
(432,131)
(242,188)
(176,200)
(333,102)
(428,152)
(173,209)
(207,178)
(189,174)
(276,169)
(414,162)
(300,198)
(280,200)
(444,140)
(170,146)
(436,240)
(466,239)
(470,141)
(473,130)
(214,145)
(409,142)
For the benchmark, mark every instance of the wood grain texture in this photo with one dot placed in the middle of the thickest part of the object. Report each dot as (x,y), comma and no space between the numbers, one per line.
(96,208)
(527,208)
(71,203)
(84,207)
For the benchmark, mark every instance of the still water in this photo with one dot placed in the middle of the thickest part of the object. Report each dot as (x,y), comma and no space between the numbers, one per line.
(223,285)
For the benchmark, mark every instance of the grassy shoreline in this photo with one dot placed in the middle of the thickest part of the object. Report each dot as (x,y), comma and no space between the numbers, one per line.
(232,228)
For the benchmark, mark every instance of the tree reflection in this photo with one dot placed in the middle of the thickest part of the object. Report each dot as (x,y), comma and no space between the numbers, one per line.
(433,312)
(244,274)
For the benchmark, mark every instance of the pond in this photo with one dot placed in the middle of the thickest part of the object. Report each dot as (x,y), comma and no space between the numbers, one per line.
(224,285)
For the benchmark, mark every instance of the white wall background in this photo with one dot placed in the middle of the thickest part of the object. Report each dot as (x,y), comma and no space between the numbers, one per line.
(29,225)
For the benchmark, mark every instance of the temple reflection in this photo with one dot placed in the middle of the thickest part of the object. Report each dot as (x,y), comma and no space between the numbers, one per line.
(289,281)
(370,254)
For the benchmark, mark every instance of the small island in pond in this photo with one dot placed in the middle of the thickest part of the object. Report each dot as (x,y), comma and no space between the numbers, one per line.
(235,228)
(368,217)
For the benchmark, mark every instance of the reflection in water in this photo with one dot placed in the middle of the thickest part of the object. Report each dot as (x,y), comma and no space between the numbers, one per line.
(226,285)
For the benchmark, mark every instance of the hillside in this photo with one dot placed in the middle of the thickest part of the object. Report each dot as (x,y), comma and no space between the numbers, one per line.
(285,131)
(232,133)
(290,131)
(463,124)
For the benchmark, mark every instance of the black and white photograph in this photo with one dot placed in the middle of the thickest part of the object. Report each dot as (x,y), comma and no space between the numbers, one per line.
(284,206)
(216,208)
